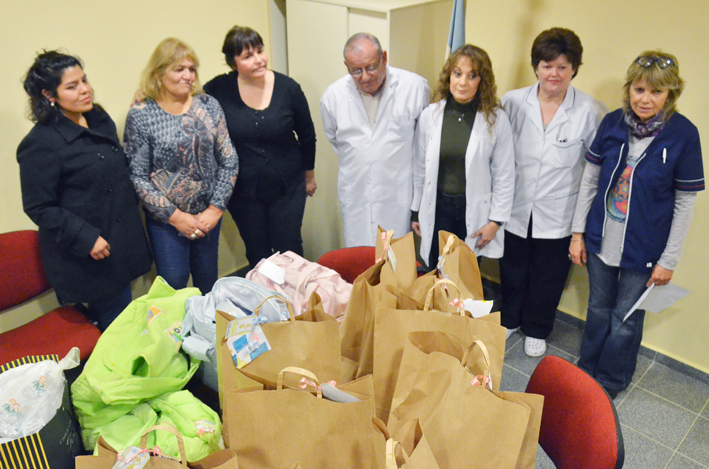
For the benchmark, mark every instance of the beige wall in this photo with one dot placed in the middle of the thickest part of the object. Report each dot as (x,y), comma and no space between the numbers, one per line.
(114,39)
(613,34)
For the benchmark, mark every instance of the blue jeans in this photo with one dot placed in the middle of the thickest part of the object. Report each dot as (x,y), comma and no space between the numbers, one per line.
(105,311)
(609,348)
(177,256)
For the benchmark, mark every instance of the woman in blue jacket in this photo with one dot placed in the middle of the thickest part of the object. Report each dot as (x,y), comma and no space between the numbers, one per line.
(634,208)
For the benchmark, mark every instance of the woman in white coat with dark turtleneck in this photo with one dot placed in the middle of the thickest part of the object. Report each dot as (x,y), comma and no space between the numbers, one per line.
(463,159)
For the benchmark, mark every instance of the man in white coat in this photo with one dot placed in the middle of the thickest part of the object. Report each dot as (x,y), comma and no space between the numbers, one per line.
(369,116)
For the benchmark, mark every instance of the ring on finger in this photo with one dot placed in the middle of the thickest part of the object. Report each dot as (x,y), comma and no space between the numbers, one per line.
(193,236)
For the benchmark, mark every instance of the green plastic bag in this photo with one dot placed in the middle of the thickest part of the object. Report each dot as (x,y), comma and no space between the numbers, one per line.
(198,424)
(126,430)
(137,358)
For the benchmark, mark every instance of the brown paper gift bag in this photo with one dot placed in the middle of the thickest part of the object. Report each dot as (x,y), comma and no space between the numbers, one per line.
(271,429)
(401,273)
(457,263)
(357,328)
(106,457)
(392,327)
(465,423)
(438,292)
(368,290)
(477,364)
(311,340)
(409,449)
(528,453)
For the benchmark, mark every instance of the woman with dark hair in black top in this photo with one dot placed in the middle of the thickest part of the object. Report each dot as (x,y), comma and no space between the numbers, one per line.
(270,125)
(76,188)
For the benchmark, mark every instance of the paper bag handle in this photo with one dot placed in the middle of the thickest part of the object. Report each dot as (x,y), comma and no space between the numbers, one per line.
(381,426)
(168,428)
(486,357)
(429,295)
(386,237)
(277,297)
(448,246)
(302,372)
(395,454)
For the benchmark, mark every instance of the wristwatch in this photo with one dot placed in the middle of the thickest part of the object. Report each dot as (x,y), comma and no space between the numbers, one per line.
(499,223)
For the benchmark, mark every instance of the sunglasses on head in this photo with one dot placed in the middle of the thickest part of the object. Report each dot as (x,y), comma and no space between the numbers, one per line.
(662,62)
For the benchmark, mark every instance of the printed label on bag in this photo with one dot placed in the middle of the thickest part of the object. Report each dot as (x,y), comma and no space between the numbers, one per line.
(153,312)
(175,333)
(246,340)
(35,388)
(204,426)
(243,324)
(12,407)
(132,458)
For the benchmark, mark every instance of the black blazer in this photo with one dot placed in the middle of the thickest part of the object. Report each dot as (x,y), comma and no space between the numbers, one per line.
(75,188)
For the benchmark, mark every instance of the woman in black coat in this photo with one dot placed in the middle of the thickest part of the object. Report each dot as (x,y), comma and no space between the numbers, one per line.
(76,189)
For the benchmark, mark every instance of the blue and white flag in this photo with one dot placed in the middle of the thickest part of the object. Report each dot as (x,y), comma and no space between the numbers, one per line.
(456,34)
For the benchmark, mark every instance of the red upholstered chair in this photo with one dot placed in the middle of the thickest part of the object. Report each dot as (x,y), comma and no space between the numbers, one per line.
(349,262)
(22,279)
(580,427)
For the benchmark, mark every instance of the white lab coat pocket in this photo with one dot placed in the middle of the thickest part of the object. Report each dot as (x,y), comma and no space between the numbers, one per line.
(567,153)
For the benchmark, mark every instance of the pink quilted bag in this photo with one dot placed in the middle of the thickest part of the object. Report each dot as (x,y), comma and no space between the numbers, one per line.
(298,278)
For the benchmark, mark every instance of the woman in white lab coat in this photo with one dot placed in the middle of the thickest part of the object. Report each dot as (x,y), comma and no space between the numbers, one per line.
(463,159)
(553,124)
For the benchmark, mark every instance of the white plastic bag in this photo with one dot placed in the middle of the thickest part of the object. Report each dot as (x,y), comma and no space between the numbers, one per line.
(31,394)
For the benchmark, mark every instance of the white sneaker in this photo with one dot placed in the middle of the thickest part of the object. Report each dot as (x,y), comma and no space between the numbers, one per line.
(510,332)
(534,347)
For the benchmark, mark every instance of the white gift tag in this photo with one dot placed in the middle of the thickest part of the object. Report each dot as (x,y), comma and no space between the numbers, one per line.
(273,272)
(477,308)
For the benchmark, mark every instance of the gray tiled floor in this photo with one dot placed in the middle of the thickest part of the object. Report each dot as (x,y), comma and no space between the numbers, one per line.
(664,414)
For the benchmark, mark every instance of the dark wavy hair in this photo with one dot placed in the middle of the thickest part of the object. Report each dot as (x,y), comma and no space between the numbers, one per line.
(237,39)
(46,74)
(554,42)
(486,96)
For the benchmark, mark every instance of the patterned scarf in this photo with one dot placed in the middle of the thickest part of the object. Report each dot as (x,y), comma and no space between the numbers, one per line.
(644,129)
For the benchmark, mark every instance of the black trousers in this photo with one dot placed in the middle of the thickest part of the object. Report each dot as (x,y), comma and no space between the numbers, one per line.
(533,274)
(268,227)
(450,216)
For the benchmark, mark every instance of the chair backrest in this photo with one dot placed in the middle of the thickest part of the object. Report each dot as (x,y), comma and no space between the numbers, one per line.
(349,262)
(21,272)
(580,427)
